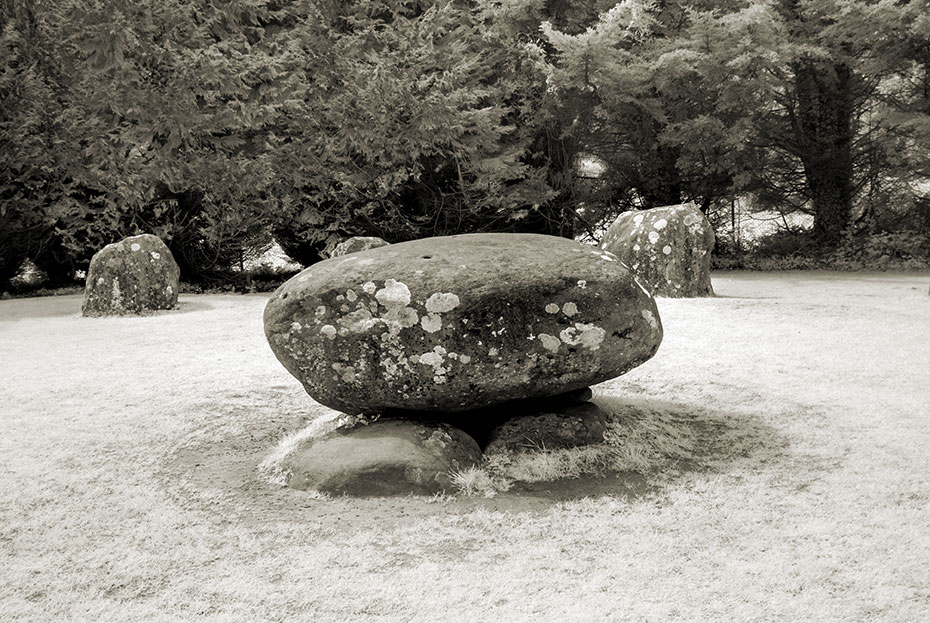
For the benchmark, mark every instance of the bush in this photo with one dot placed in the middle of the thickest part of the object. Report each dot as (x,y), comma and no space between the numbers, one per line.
(889,250)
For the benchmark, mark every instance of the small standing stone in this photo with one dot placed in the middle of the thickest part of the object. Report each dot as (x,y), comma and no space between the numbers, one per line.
(136,275)
(358,243)
(668,249)
(386,457)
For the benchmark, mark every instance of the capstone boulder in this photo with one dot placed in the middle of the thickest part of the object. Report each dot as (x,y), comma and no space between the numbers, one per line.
(667,248)
(133,276)
(460,322)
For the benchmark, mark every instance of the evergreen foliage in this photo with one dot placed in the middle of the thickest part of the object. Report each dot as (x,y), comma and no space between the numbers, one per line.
(218,125)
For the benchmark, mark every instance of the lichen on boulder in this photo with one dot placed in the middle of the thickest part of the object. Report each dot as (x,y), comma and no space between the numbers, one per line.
(133,276)
(461,322)
(667,248)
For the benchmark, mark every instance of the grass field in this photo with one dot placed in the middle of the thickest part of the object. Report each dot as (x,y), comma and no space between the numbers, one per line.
(129,488)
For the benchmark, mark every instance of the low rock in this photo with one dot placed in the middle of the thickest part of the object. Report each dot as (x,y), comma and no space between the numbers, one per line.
(136,275)
(479,424)
(358,243)
(386,457)
(568,427)
(460,322)
(667,248)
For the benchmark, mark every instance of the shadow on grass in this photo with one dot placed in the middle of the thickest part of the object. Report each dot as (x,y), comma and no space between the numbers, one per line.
(216,471)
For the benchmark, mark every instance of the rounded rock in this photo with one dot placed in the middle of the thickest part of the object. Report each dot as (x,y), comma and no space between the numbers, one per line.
(568,427)
(358,243)
(460,322)
(133,276)
(667,248)
(386,457)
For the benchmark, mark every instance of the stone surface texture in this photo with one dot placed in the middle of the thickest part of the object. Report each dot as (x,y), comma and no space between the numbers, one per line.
(667,248)
(133,276)
(460,322)
(358,243)
(386,457)
(569,427)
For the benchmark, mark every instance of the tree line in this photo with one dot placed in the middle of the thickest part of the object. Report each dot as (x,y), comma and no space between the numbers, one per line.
(219,125)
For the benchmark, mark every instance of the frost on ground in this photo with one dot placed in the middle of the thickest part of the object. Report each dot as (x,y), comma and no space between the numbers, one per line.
(129,488)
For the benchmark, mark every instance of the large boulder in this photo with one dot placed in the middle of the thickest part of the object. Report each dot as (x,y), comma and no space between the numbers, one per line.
(386,457)
(667,248)
(358,243)
(136,275)
(460,322)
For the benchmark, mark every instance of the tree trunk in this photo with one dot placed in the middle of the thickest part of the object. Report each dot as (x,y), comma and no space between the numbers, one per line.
(660,183)
(824,125)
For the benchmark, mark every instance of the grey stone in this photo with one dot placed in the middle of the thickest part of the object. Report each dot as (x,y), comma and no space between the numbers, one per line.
(386,457)
(568,427)
(460,322)
(136,275)
(667,248)
(358,243)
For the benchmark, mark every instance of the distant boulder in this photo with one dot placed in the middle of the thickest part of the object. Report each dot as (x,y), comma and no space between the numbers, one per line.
(667,248)
(358,243)
(133,276)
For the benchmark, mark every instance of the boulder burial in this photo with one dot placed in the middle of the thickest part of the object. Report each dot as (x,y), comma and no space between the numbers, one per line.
(460,322)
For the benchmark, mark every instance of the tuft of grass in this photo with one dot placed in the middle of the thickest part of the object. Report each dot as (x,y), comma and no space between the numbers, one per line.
(271,469)
(642,437)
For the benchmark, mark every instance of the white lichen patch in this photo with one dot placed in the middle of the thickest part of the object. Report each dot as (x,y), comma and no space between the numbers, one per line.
(660,224)
(582,284)
(650,318)
(393,294)
(328,331)
(439,303)
(100,281)
(296,326)
(638,219)
(667,250)
(431,323)
(691,219)
(493,352)
(586,335)
(369,287)
(550,342)
(653,237)
(135,246)
(552,308)
(156,255)
(636,247)
(358,321)
(345,373)
(351,296)
(465,359)
(320,311)
(569,309)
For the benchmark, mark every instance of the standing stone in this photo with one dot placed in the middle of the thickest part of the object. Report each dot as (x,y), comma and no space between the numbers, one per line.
(135,275)
(386,457)
(667,248)
(460,322)
(358,243)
